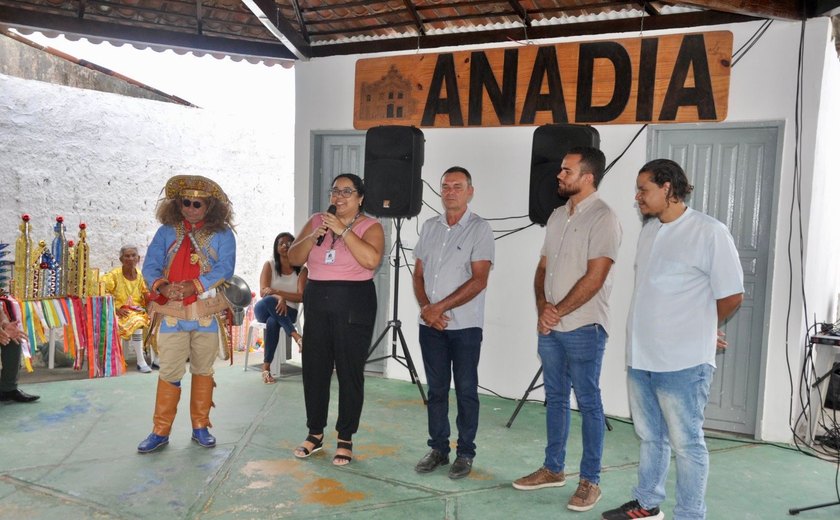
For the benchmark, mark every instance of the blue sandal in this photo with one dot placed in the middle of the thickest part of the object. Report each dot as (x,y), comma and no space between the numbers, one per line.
(302,452)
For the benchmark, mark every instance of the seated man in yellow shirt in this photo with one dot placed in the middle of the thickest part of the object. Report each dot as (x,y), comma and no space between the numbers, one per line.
(127,286)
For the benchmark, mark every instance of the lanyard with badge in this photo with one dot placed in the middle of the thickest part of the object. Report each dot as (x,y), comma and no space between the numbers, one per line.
(329,257)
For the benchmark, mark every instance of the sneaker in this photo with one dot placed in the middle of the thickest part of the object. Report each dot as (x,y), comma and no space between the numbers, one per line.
(586,496)
(144,369)
(632,510)
(542,478)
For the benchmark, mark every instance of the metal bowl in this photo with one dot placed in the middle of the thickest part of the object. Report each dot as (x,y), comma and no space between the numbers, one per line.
(237,292)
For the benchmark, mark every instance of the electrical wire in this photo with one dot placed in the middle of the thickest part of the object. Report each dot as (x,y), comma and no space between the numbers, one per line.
(743,49)
(506,218)
(804,400)
(431,187)
(514,231)
(633,140)
(506,232)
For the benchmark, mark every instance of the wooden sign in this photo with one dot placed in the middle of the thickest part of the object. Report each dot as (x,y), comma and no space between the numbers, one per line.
(662,79)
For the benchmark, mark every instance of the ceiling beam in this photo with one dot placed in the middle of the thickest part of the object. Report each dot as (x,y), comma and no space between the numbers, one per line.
(649,8)
(303,30)
(824,8)
(199,17)
(671,21)
(332,7)
(417,20)
(36,21)
(456,4)
(521,12)
(553,11)
(268,13)
(779,9)
(398,12)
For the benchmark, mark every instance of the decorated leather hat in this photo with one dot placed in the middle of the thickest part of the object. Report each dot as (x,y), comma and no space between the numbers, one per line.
(194,186)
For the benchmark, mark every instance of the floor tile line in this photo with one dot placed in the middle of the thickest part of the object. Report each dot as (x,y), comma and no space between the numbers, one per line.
(206,496)
(26,486)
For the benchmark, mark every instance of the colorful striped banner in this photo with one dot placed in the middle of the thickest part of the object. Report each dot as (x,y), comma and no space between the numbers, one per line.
(90,331)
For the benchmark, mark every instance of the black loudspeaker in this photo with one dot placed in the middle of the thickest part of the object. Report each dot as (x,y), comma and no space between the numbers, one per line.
(551,142)
(832,396)
(393,159)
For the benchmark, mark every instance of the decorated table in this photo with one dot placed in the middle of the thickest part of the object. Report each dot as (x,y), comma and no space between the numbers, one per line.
(54,289)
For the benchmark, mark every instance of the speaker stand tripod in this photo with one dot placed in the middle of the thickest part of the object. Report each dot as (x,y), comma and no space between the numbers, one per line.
(818,506)
(796,511)
(395,326)
(533,386)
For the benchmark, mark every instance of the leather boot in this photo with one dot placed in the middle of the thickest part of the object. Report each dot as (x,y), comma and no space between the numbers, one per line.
(166,406)
(201,399)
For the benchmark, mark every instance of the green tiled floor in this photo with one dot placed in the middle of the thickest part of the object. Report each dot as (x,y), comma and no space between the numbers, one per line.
(72,456)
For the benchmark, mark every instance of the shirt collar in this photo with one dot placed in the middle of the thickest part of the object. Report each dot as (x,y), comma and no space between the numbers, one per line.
(678,219)
(585,203)
(464,218)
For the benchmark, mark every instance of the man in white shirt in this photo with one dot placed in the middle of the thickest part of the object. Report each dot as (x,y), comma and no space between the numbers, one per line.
(688,281)
(452,262)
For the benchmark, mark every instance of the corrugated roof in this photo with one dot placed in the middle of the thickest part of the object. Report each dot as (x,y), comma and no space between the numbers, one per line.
(276,30)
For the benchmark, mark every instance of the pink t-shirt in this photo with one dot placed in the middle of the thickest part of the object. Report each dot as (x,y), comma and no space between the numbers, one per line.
(344,267)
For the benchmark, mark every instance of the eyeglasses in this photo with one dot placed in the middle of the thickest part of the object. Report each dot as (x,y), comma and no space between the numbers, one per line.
(345,193)
(194,203)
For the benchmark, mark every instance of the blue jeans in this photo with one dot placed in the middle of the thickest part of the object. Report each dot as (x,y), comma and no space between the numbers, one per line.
(667,409)
(573,360)
(266,312)
(445,353)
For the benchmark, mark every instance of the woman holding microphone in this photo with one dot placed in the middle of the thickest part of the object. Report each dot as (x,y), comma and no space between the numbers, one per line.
(342,248)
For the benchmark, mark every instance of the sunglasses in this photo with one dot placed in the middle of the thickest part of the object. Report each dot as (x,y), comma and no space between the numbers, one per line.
(194,203)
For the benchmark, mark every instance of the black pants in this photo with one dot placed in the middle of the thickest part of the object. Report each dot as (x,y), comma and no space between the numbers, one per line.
(337,332)
(10,357)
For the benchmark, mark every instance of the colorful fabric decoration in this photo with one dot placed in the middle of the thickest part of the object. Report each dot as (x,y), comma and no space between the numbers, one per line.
(90,329)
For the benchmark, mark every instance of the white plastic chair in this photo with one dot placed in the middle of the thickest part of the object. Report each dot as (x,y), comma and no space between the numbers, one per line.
(249,338)
(280,357)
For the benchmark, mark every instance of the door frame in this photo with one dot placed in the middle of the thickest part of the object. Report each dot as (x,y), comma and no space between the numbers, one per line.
(316,137)
(779,125)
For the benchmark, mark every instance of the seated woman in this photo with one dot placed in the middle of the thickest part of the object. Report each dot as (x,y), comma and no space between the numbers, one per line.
(127,286)
(281,288)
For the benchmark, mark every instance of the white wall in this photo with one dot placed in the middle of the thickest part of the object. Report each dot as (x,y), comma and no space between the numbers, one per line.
(103,159)
(822,251)
(499,160)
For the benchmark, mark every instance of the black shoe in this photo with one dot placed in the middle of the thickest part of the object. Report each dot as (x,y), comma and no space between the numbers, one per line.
(460,468)
(18,396)
(155,366)
(632,510)
(430,461)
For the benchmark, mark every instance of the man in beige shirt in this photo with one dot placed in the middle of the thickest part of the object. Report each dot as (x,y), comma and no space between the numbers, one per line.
(572,286)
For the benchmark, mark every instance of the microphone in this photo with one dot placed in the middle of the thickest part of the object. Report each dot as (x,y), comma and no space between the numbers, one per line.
(331,211)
